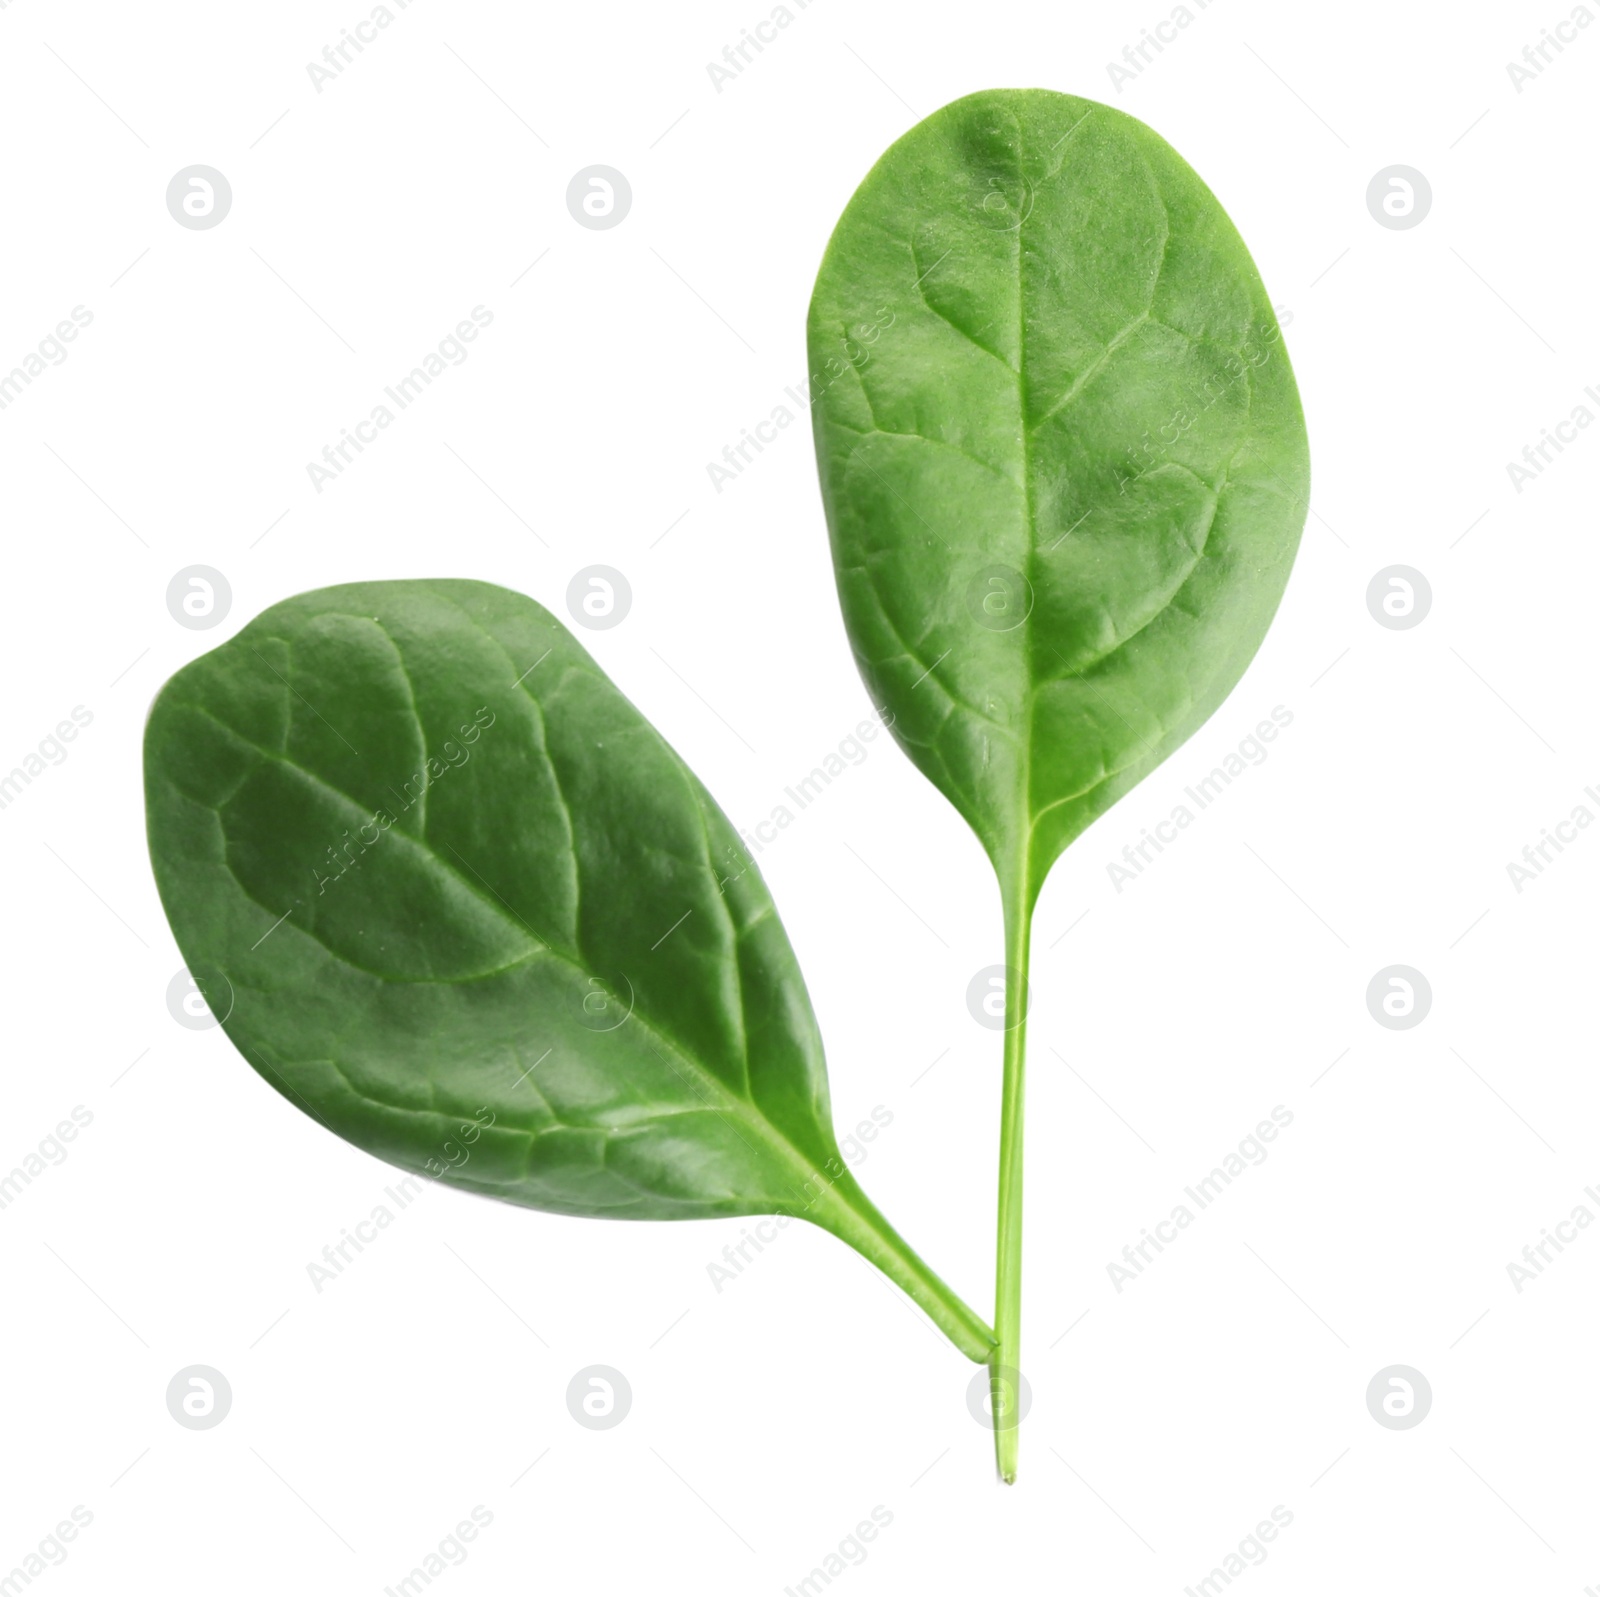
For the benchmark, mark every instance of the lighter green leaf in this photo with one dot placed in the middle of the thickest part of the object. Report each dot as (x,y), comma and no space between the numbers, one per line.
(1062,457)
(1065,473)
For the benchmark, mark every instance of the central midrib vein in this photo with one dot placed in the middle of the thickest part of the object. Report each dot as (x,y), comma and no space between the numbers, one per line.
(1023,820)
(744,1110)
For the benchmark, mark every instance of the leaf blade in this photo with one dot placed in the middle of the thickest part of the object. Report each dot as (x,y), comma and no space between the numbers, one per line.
(475,916)
(1052,570)
(448,895)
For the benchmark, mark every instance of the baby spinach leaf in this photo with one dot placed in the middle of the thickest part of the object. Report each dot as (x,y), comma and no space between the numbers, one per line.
(454,896)
(1065,472)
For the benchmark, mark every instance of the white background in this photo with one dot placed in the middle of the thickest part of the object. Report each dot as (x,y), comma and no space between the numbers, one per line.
(1168,1019)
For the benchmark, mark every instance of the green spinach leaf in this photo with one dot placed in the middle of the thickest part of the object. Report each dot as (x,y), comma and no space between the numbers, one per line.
(1065,472)
(457,899)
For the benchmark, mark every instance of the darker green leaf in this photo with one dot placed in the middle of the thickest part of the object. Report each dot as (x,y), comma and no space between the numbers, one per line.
(471,912)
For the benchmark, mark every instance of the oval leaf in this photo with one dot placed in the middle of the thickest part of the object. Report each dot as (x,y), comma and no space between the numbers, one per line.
(1065,473)
(450,893)
(1062,457)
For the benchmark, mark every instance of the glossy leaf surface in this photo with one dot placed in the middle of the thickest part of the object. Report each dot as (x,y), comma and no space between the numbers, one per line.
(1065,473)
(1062,457)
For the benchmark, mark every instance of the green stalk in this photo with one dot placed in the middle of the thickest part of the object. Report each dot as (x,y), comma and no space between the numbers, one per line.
(1005,1361)
(851,1215)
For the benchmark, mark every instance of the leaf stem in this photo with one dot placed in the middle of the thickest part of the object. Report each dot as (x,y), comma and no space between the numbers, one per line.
(853,1217)
(1004,1362)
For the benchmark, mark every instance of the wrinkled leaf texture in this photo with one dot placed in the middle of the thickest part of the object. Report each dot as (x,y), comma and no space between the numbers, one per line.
(460,902)
(1062,457)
